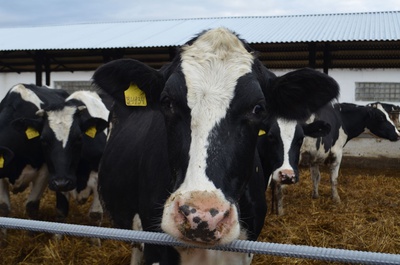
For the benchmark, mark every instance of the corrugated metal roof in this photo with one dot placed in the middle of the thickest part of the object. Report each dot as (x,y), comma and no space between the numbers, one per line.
(371,26)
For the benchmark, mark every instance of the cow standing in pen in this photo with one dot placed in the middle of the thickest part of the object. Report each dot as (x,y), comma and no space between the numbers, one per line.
(21,157)
(73,137)
(347,122)
(279,146)
(181,155)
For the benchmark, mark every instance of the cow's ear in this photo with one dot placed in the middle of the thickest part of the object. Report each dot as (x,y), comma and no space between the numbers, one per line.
(6,155)
(130,82)
(30,127)
(316,129)
(297,94)
(92,126)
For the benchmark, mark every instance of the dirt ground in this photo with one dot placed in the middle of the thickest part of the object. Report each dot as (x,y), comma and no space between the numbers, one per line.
(367,219)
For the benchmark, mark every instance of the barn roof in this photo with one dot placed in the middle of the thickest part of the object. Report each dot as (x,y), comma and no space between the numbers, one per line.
(346,40)
(372,26)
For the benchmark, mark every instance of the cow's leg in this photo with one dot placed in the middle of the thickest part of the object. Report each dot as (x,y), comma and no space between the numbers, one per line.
(277,198)
(96,210)
(5,208)
(274,206)
(334,181)
(316,178)
(39,184)
(62,208)
(137,249)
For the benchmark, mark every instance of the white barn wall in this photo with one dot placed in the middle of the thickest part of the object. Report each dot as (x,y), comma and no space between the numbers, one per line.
(7,80)
(360,147)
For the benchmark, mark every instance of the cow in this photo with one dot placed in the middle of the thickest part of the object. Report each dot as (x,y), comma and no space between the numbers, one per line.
(73,136)
(181,155)
(279,146)
(21,156)
(347,121)
(391,110)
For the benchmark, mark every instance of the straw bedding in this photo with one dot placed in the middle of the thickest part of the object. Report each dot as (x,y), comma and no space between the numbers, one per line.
(367,220)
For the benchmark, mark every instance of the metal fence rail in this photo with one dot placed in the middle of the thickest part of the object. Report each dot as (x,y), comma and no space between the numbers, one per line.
(294,251)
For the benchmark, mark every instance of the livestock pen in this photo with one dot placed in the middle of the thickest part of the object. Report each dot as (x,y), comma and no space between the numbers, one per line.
(366,220)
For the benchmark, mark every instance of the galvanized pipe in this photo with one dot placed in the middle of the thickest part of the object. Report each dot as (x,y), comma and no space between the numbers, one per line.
(294,251)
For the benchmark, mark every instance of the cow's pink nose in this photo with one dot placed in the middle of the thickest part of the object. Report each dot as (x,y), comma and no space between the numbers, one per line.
(287,176)
(204,218)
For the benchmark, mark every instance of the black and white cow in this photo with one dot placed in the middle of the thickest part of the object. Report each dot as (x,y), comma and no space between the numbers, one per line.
(279,146)
(73,139)
(21,157)
(393,111)
(347,122)
(181,155)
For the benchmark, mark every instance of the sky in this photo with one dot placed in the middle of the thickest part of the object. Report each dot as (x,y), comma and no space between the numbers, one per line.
(21,13)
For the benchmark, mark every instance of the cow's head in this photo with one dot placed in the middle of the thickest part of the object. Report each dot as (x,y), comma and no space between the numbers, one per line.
(380,123)
(384,120)
(63,130)
(213,99)
(279,146)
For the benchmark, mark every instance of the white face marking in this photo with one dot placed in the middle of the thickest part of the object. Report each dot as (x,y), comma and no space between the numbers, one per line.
(212,66)
(93,103)
(60,122)
(379,107)
(287,129)
(27,95)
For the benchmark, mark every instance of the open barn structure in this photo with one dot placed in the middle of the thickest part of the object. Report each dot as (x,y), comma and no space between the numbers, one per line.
(327,41)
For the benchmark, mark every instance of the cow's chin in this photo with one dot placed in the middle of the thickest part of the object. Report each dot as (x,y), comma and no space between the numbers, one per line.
(176,224)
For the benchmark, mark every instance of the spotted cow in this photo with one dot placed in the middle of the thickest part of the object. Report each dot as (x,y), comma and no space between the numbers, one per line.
(73,136)
(21,157)
(347,122)
(279,146)
(181,155)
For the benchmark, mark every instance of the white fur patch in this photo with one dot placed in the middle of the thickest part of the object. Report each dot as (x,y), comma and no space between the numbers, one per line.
(287,129)
(60,122)
(212,66)
(27,95)
(92,100)
(379,107)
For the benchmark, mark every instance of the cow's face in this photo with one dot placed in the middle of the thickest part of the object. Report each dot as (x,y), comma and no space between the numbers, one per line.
(65,131)
(213,106)
(280,146)
(381,125)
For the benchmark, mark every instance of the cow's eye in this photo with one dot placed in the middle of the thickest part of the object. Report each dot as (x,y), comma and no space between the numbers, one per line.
(167,104)
(258,109)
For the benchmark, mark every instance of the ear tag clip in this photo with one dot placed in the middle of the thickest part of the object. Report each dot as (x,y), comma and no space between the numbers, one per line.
(31,133)
(1,161)
(134,96)
(261,132)
(91,132)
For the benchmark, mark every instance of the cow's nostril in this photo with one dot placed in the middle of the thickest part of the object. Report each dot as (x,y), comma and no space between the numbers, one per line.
(61,185)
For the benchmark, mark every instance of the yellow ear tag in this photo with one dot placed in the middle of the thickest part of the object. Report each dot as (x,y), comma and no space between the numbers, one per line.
(134,96)
(1,161)
(91,132)
(31,133)
(261,132)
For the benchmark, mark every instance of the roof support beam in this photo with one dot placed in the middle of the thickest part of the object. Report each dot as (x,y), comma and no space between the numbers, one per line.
(312,55)
(327,58)
(38,58)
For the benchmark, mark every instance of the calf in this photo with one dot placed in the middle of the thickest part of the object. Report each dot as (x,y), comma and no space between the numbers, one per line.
(21,156)
(279,146)
(181,155)
(73,138)
(347,122)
